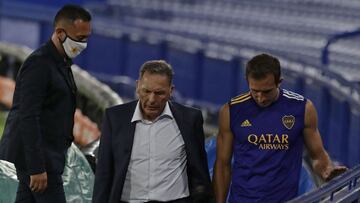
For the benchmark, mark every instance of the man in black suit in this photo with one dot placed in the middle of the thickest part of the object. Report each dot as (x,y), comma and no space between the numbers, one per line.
(152,149)
(39,126)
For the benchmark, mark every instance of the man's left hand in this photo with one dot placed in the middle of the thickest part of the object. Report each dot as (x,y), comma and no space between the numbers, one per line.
(332,172)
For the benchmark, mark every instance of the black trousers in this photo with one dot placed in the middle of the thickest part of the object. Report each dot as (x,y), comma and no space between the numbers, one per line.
(182,200)
(54,193)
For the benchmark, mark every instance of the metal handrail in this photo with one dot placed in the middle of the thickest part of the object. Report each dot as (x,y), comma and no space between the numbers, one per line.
(348,179)
(332,39)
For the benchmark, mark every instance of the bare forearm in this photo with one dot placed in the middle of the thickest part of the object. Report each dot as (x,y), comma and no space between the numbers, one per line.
(321,164)
(221,182)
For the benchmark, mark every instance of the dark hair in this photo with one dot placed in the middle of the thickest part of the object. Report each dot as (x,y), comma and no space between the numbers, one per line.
(70,13)
(261,65)
(160,67)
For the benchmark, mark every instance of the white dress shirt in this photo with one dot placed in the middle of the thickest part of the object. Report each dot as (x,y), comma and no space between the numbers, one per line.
(157,168)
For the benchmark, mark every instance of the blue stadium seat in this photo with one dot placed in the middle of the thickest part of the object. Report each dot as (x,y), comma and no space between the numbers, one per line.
(319,95)
(220,79)
(139,51)
(293,82)
(338,130)
(54,3)
(106,54)
(187,65)
(122,85)
(242,84)
(18,31)
(46,30)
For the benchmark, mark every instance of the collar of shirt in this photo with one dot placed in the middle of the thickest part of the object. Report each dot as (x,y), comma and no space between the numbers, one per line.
(137,116)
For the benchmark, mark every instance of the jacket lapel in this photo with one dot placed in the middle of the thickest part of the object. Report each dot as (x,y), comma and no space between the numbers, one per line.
(182,124)
(128,131)
(125,140)
(128,136)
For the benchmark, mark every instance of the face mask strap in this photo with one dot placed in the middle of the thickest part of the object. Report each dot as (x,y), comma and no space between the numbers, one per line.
(68,36)
(78,41)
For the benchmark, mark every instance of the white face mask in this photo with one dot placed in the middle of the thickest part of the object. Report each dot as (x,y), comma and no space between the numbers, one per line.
(73,48)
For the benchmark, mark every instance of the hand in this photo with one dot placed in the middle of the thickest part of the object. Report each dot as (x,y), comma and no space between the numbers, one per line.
(332,172)
(38,182)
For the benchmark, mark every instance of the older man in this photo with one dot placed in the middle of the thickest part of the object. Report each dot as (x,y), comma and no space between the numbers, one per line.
(152,149)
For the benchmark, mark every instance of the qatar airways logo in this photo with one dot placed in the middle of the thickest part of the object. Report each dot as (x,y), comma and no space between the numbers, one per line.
(270,141)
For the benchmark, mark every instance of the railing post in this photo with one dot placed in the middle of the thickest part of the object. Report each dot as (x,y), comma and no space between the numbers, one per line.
(331,40)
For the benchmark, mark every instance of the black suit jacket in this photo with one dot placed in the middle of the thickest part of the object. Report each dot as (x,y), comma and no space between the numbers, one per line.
(116,145)
(39,126)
